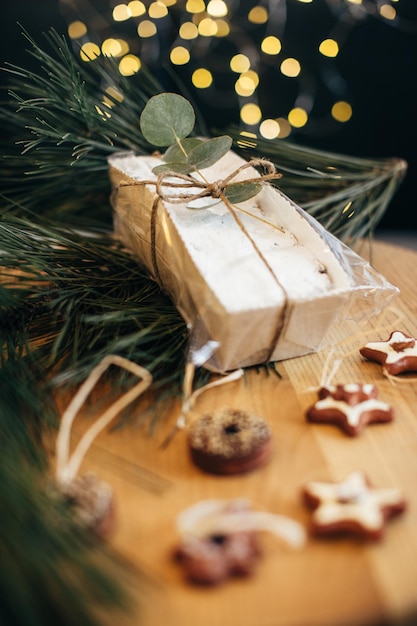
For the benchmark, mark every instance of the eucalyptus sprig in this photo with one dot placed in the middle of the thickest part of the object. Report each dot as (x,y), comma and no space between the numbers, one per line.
(167,120)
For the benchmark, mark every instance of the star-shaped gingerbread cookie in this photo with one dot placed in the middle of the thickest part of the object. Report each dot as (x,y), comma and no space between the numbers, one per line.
(350,406)
(351,506)
(398,354)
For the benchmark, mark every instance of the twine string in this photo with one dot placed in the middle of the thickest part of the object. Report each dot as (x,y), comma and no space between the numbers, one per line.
(331,364)
(190,397)
(67,467)
(215,189)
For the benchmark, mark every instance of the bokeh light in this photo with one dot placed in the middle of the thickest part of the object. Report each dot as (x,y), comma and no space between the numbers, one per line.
(251,114)
(297,117)
(329,48)
(342,111)
(234,54)
(129,65)
(89,51)
(77,29)
(271,45)
(258,15)
(290,67)
(202,78)
(179,55)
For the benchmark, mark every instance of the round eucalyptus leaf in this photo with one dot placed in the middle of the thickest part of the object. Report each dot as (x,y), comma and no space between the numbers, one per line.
(239,192)
(166,118)
(178,168)
(176,155)
(209,152)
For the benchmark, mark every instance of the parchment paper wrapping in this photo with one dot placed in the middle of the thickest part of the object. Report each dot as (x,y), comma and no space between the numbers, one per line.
(266,293)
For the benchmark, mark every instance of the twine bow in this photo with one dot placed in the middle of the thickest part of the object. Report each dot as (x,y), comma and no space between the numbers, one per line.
(216,189)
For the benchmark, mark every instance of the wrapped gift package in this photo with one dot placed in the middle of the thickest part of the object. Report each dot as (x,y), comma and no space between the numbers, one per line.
(265,287)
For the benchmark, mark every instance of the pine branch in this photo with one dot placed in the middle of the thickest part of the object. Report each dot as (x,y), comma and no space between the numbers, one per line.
(51,571)
(62,132)
(80,296)
(347,195)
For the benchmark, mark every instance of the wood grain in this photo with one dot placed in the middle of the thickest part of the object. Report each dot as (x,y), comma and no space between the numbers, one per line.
(327,583)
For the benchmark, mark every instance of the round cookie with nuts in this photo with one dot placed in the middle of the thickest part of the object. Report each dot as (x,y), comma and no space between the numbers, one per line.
(229,441)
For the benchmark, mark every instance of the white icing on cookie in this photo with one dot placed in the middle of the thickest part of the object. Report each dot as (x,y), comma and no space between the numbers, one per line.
(352,412)
(352,500)
(387,348)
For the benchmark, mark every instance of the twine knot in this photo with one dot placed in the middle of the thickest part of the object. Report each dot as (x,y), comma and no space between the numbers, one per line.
(190,188)
(216,189)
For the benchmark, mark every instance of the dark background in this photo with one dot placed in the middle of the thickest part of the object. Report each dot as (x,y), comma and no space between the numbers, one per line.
(378,63)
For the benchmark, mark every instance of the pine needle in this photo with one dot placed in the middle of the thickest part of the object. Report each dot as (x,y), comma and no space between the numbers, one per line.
(76,296)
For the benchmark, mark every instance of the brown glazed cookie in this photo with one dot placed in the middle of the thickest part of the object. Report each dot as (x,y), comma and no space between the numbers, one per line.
(350,406)
(229,441)
(216,542)
(351,506)
(398,354)
(220,539)
(92,504)
(213,559)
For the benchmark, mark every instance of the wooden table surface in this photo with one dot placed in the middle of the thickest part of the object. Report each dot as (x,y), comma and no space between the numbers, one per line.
(339,582)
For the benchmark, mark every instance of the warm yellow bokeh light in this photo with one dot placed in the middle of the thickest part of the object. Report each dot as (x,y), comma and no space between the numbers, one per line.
(245,140)
(202,78)
(207,27)
(239,63)
(305,1)
(89,51)
(124,46)
(129,65)
(284,128)
(342,111)
(244,87)
(113,48)
(258,15)
(179,55)
(157,10)
(290,67)
(387,11)
(271,45)
(329,48)
(107,102)
(104,114)
(114,94)
(136,8)
(217,8)
(77,29)
(269,129)
(297,117)
(146,29)
(121,12)
(252,76)
(195,6)
(355,1)
(188,30)
(223,28)
(250,114)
